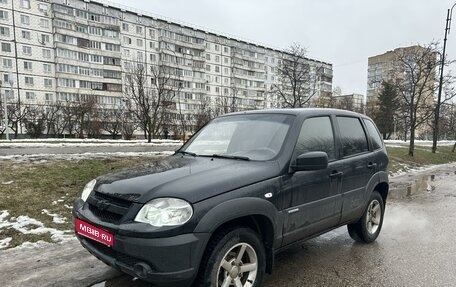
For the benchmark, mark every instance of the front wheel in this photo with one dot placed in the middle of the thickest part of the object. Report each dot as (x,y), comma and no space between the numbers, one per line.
(368,227)
(235,257)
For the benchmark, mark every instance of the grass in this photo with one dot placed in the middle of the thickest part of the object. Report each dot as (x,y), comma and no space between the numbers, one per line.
(399,158)
(53,186)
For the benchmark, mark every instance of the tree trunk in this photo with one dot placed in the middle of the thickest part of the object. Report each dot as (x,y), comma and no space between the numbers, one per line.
(412,142)
(454,147)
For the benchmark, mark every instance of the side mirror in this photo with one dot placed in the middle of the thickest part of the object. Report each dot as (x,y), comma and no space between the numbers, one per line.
(314,160)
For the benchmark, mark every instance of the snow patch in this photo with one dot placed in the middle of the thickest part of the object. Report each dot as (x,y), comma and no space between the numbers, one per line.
(80,156)
(7,182)
(28,225)
(5,242)
(56,218)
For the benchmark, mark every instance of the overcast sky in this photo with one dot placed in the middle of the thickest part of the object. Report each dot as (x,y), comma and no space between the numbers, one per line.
(342,32)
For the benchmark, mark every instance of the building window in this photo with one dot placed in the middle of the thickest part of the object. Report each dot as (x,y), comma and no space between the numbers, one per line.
(226,49)
(47,68)
(152,33)
(27,50)
(29,81)
(6,47)
(45,38)
(139,42)
(27,65)
(125,27)
(29,95)
(139,30)
(48,83)
(216,47)
(25,4)
(4,31)
(43,8)
(26,35)
(127,40)
(140,56)
(25,19)
(46,53)
(49,97)
(7,63)
(3,15)
(44,23)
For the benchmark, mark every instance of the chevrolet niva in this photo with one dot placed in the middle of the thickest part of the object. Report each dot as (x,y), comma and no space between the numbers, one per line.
(243,188)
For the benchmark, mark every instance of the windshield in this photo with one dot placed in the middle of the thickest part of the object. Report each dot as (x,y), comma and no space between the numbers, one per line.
(254,137)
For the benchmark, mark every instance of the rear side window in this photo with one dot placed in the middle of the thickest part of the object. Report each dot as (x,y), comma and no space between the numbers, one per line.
(316,135)
(373,135)
(353,137)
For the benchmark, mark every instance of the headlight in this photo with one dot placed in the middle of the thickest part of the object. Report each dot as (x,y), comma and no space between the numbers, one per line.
(165,212)
(88,189)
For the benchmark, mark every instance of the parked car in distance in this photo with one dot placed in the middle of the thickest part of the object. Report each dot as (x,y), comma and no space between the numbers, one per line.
(243,188)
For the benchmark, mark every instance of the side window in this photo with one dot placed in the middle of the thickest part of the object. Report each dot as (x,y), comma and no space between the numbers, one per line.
(316,135)
(352,136)
(373,135)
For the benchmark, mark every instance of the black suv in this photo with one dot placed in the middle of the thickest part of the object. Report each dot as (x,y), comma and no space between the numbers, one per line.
(243,188)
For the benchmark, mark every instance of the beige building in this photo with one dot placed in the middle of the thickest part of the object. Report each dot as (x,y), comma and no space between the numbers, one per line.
(352,102)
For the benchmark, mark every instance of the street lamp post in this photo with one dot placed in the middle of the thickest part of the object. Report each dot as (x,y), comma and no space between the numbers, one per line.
(435,135)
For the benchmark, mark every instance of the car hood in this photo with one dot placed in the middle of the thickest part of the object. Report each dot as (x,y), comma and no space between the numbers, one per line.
(186,177)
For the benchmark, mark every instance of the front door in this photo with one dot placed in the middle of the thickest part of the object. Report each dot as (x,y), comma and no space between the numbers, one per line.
(315,199)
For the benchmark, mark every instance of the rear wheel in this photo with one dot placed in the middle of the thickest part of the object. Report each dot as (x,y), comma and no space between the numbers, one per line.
(368,227)
(235,257)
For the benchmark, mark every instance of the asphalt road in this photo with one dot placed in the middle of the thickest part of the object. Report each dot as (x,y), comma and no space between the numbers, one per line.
(416,248)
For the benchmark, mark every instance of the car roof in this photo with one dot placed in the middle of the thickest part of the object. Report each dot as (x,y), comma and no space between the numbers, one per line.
(301,111)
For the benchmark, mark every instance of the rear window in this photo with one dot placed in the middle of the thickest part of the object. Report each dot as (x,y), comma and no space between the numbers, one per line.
(353,137)
(373,135)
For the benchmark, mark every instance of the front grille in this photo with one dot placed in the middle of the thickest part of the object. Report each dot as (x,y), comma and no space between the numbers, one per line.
(114,200)
(105,215)
(108,208)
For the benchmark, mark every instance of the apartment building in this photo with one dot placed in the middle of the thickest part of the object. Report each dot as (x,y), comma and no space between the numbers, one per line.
(354,102)
(61,50)
(386,67)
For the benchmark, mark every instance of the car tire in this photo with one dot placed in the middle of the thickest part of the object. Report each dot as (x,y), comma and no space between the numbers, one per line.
(233,256)
(370,224)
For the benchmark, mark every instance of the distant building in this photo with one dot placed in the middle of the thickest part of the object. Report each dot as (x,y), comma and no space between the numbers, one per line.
(352,102)
(61,50)
(398,66)
(385,67)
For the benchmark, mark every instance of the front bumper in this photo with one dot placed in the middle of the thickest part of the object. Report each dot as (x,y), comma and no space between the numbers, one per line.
(169,261)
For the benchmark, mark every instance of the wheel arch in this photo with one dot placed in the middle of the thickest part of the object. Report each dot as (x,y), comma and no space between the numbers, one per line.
(255,213)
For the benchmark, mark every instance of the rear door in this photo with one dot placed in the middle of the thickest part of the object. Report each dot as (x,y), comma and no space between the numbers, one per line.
(315,195)
(357,165)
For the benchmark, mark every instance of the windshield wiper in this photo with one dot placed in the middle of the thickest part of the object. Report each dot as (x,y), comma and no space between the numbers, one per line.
(186,152)
(230,156)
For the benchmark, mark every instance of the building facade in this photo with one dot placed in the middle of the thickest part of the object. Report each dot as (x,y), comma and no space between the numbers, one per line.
(62,50)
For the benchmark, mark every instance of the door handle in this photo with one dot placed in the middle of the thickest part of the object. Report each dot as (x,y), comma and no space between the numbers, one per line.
(336,174)
(371,165)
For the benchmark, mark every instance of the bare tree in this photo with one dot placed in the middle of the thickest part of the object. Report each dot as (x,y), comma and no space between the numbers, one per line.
(35,121)
(203,114)
(415,79)
(52,115)
(83,110)
(112,120)
(298,78)
(150,102)
(16,114)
